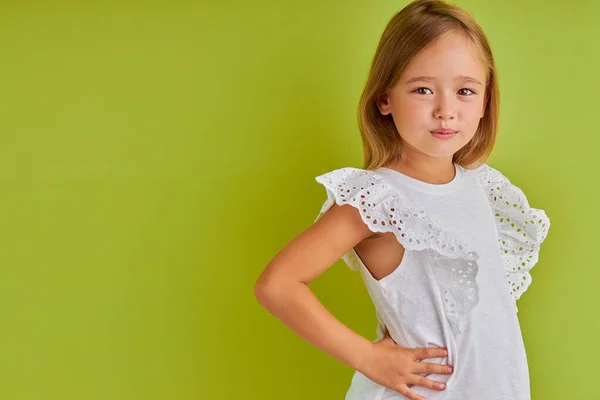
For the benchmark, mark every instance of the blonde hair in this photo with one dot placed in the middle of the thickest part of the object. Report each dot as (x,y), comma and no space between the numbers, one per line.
(407,32)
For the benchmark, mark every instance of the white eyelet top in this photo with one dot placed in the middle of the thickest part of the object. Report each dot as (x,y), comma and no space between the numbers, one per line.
(469,247)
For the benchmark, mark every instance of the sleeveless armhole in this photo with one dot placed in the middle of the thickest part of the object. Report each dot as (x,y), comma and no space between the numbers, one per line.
(384,209)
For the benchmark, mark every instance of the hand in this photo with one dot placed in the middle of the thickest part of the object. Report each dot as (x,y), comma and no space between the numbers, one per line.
(396,367)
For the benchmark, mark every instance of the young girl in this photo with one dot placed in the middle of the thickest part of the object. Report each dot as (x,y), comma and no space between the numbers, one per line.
(443,242)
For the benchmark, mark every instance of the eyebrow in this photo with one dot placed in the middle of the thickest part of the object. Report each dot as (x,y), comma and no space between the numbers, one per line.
(431,78)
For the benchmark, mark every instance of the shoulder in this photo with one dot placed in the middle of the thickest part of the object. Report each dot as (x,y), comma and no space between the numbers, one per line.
(514,215)
(372,199)
(349,185)
(488,175)
(350,175)
(499,187)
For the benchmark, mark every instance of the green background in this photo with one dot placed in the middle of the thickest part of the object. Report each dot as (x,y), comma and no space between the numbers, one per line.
(156,155)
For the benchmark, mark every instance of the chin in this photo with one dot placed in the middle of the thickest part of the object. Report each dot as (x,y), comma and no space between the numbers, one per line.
(441,153)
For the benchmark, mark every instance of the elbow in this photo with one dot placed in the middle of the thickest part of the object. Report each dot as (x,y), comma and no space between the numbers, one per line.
(269,289)
(259,291)
(264,291)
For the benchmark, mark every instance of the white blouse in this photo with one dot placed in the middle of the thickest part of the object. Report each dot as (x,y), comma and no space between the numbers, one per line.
(469,246)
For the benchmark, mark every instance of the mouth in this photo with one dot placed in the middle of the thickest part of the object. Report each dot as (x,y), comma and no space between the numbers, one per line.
(444,133)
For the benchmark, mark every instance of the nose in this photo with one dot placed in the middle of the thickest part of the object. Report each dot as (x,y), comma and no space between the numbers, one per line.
(445,108)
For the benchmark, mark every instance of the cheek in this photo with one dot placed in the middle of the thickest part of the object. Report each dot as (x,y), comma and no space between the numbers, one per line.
(473,110)
(414,112)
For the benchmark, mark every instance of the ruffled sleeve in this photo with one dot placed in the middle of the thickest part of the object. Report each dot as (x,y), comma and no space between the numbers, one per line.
(356,187)
(384,209)
(521,228)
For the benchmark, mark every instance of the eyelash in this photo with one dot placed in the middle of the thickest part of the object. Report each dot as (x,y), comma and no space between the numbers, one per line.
(471,90)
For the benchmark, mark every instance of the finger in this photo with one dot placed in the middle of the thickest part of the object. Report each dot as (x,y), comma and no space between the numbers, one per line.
(409,394)
(429,352)
(432,368)
(426,383)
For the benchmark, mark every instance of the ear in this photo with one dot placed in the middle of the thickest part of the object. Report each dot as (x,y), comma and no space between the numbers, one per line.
(383,104)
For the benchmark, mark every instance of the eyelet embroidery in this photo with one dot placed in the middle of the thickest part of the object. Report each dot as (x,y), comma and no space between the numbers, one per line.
(383,209)
(521,228)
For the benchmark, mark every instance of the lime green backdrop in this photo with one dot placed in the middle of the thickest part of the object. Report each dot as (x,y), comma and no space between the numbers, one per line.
(156,155)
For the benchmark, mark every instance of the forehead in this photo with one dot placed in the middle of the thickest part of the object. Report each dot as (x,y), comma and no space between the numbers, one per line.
(451,55)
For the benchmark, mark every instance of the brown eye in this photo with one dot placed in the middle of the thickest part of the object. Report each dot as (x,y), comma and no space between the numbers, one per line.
(419,90)
(472,92)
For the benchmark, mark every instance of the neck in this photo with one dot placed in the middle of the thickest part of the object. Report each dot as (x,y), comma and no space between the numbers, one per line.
(430,170)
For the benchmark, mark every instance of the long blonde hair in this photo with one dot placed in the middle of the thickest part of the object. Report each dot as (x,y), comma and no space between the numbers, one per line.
(408,32)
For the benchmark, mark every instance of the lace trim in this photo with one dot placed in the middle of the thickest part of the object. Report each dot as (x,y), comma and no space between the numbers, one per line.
(383,209)
(521,228)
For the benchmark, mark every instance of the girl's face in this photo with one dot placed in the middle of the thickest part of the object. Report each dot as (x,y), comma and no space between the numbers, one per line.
(443,86)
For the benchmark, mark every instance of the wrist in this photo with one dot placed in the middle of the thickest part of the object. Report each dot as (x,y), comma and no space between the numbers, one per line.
(362,355)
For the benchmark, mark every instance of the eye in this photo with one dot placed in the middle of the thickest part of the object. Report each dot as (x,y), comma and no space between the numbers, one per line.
(421,88)
(470,90)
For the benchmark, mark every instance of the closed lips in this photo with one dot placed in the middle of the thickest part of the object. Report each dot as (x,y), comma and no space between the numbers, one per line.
(444,131)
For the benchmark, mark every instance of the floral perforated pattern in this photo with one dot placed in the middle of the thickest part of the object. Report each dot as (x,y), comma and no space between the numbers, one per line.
(521,228)
(457,280)
(383,209)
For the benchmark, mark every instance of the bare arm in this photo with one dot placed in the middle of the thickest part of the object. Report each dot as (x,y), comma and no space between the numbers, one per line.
(282,287)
